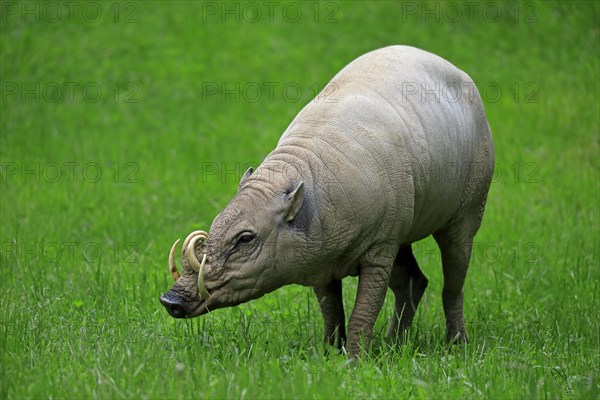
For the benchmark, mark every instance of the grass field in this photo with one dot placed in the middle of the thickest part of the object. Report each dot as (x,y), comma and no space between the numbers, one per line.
(127,125)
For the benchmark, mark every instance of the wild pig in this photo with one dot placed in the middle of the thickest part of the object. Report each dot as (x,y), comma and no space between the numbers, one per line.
(397,147)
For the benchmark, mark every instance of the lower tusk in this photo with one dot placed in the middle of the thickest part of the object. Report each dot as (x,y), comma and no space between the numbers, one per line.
(201,288)
(172,266)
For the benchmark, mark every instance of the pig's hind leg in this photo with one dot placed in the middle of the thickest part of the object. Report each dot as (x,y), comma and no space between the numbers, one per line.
(456,244)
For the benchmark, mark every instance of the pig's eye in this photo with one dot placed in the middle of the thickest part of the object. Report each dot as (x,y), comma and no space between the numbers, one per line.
(245,237)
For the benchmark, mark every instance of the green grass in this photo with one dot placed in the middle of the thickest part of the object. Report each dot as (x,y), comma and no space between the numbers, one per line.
(84,259)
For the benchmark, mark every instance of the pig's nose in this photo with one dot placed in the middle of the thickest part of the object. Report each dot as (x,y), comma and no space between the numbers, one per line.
(173,306)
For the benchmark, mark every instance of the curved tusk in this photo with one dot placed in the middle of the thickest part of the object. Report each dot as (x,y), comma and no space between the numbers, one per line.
(189,237)
(197,266)
(191,253)
(172,266)
(201,288)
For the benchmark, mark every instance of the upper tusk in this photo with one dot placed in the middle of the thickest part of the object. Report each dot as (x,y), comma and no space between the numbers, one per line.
(189,250)
(172,266)
(197,266)
(189,237)
(191,253)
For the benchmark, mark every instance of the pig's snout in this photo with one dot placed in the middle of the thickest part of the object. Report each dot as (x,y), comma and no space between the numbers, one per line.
(174,306)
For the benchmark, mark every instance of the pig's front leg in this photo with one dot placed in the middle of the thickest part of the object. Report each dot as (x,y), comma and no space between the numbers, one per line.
(373,283)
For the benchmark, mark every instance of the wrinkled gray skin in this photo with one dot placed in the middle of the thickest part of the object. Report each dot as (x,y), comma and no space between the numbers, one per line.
(365,170)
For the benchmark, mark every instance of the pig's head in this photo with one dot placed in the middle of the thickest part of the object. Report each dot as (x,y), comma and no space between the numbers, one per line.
(250,250)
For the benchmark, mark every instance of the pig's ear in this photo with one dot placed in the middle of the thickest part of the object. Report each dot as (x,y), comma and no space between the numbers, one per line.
(293,201)
(247,174)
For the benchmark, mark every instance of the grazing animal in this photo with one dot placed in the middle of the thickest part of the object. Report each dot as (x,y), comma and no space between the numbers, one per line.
(397,147)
